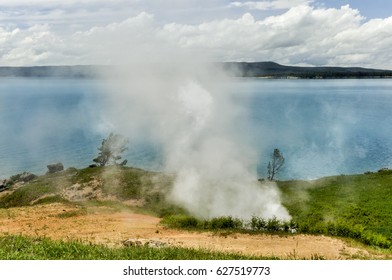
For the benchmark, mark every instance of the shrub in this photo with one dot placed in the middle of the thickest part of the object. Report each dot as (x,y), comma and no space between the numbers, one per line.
(225,223)
(180,221)
(229,223)
(258,224)
(374,239)
(273,225)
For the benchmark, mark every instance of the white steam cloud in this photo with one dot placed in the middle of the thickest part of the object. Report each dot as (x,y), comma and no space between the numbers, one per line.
(183,108)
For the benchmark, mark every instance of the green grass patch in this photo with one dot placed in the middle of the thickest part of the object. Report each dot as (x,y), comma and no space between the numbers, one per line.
(122,183)
(56,198)
(157,204)
(354,206)
(25,195)
(28,248)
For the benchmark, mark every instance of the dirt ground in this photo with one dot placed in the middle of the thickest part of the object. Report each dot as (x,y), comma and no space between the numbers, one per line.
(106,226)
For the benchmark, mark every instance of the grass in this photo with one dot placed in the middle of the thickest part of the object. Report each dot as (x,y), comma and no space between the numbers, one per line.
(16,247)
(125,183)
(26,195)
(355,206)
(120,183)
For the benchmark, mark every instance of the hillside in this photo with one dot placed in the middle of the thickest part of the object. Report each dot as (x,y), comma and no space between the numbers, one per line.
(275,70)
(356,206)
(241,69)
(77,71)
(107,205)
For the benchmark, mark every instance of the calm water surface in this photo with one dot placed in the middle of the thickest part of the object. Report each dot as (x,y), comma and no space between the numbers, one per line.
(322,127)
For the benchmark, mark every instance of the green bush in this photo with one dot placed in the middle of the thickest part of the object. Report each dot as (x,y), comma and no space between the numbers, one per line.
(225,223)
(181,221)
(378,240)
(274,225)
(258,224)
(229,223)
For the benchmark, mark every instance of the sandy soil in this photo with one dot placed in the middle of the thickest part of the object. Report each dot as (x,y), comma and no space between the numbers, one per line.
(106,226)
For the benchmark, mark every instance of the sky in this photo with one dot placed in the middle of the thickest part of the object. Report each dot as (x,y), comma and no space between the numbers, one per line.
(290,32)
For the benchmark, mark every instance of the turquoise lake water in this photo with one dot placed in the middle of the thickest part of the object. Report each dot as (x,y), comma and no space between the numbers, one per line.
(322,127)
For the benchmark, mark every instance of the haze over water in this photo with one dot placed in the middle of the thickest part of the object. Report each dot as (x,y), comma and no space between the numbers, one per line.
(322,127)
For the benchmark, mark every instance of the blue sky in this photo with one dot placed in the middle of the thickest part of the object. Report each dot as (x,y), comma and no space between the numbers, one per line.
(368,8)
(295,32)
(87,12)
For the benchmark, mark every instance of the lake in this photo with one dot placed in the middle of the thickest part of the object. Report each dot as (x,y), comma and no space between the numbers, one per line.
(322,127)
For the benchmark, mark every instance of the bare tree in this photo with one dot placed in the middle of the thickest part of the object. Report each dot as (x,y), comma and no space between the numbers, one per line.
(276,163)
(111,149)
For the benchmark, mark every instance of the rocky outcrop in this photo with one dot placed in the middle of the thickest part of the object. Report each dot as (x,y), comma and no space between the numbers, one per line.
(27,177)
(20,178)
(55,167)
(23,177)
(3,185)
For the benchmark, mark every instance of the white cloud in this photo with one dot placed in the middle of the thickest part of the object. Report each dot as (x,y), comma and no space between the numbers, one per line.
(64,16)
(301,35)
(53,3)
(269,4)
(31,46)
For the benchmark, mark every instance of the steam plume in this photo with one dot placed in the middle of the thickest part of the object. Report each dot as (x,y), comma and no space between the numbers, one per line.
(176,100)
(184,109)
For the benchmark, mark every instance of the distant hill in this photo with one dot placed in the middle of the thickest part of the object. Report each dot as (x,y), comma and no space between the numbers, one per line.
(77,71)
(275,70)
(241,69)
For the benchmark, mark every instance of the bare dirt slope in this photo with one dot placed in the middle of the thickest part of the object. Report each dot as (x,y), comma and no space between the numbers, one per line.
(106,226)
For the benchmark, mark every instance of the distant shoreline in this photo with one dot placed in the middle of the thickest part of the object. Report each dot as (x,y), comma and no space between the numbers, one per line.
(265,70)
(272,70)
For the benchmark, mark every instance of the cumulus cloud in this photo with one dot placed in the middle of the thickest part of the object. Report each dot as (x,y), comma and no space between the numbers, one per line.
(301,35)
(269,4)
(34,45)
(64,16)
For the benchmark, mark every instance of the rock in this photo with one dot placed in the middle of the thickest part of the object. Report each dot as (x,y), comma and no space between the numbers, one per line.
(26,177)
(134,242)
(292,230)
(3,185)
(55,167)
(155,244)
(20,178)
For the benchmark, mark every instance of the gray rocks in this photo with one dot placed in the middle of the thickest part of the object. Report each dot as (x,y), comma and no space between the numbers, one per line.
(3,185)
(23,177)
(55,167)
(134,242)
(27,176)
(20,178)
